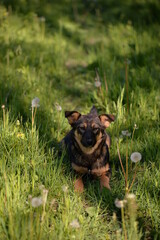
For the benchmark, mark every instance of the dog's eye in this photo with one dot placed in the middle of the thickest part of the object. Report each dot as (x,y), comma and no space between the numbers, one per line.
(96,130)
(81,129)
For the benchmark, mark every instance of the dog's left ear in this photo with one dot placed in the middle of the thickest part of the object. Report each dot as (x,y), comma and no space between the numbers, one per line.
(106,119)
(72,116)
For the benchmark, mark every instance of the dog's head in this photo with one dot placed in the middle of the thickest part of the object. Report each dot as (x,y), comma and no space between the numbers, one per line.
(89,129)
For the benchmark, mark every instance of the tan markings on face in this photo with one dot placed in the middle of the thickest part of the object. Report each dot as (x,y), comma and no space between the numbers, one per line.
(98,137)
(79,169)
(86,150)
(100,171)
(78,136)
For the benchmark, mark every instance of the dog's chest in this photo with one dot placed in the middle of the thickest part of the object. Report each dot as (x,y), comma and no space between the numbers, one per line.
(95,160)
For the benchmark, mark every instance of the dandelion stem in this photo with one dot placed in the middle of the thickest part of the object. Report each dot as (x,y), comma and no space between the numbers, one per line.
(127,166)
(121,163)
(132,142)
(32,118)
(106,85)
(134,177)
(123,223)
(4,118)
(126,78)
(35,113)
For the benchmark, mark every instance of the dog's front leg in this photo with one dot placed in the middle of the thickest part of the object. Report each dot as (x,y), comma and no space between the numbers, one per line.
(104,181)
(79,185)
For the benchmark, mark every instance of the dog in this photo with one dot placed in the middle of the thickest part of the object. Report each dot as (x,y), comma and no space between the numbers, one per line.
(88,146)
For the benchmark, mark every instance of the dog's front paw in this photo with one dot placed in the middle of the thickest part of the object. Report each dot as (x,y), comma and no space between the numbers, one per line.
(78,185)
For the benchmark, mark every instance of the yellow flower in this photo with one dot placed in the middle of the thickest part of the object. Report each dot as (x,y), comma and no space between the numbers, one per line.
(21,135)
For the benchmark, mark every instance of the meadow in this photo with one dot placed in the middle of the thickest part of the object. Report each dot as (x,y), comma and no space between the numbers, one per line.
(50,50)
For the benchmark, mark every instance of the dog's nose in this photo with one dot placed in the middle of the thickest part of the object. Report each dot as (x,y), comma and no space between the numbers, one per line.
(89,141)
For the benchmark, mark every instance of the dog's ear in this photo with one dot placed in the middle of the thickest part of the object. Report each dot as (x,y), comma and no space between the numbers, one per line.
(106,119)
(72,116)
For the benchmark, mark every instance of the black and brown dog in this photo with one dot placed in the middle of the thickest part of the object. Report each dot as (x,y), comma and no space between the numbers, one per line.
(88,145)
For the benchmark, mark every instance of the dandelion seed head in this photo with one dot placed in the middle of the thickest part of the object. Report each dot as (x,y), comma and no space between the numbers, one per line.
(3,106)
(130,196)
(65,188)
(119,203)
(36,201)
(97,83)
(75,224)
(135,126)
(128,61)
(126,133)
(136,157)
(42,19)
(35,102)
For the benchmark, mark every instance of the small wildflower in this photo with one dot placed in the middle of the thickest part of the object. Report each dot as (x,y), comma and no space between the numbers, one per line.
(30,197)
(21,135)
(42,19)
(119,203)
(119,231)
(128,61)
(136,157)
(18,123)
(114,217)
(135,126)
(75,224)
(36,201)
(58,107)
(3,106)
(97,84)
(35,102)
(65,188)
(126,133)
(41,187)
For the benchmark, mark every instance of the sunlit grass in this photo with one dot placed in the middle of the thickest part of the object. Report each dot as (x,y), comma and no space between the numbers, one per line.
(55,60)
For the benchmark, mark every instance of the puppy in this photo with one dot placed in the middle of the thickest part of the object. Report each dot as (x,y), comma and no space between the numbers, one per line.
(88,146)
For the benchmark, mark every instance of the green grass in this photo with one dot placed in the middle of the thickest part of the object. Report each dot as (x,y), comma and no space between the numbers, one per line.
(55,61)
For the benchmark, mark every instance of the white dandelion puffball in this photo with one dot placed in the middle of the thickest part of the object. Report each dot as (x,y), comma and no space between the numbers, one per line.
(35,102)
(97,84)
(65,189)
(136,157)
(58,107)
(130,196)
(36,201)
(126,133)
(119,203)
(75,224)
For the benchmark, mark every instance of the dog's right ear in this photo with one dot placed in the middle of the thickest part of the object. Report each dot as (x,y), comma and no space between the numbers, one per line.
(72,116)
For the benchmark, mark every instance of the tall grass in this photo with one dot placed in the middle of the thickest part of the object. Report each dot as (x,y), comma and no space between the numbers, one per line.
(51,52)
